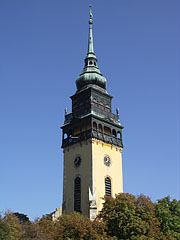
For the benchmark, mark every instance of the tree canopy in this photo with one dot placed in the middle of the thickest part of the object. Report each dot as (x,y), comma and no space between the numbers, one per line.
(128,217)
(123,217)
(168,213)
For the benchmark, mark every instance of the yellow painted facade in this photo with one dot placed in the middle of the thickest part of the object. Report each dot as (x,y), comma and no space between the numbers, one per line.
(101,171)
(84,150)
(92,172)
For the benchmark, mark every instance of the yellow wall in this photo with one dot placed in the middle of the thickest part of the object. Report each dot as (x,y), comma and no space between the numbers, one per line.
(84,150)
(92,172)
(99,150)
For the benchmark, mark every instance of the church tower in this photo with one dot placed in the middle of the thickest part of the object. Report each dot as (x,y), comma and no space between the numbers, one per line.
(92,142)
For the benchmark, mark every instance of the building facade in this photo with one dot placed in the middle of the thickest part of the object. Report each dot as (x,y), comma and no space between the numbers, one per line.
(92,142)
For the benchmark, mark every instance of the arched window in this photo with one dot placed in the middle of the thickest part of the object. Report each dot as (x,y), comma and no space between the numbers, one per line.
(107,130)
(119,135)
(77,194)
(114,133)
(108,186)
(100,128)
(95,126)
(65,135)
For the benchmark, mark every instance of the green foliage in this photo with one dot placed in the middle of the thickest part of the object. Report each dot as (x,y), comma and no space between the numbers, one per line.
(128,217)
(76,226)
(22,217)
(3,230)
(168,213)
(123,217)
(13,226)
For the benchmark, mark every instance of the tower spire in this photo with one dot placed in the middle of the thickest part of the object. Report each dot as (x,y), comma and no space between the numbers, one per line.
(90,40)
(91,75)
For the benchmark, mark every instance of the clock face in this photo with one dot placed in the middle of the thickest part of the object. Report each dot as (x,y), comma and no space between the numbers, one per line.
(77,161)
(107,161)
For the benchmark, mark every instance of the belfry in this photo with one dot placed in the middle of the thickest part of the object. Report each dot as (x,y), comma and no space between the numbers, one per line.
(92,142)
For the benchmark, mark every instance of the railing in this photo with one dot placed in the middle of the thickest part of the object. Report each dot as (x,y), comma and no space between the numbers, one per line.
(95,111)
(107,138)
(102,112)
(92,134)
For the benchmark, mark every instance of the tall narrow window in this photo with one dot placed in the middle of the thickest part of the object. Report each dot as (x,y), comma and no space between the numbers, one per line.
(77,194)
(107,186)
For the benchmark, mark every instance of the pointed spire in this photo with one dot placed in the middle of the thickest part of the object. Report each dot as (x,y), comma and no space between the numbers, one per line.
(90,40)
(91,74)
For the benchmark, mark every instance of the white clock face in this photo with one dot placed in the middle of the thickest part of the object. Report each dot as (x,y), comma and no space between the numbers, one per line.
(107,161)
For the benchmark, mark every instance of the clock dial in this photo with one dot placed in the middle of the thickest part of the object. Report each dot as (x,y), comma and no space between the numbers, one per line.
(107,161)
(77,161)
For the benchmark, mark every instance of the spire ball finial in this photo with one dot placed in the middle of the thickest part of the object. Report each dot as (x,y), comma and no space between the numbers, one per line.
(90,15)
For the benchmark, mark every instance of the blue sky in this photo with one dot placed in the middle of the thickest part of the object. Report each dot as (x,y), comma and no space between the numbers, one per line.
(43,44)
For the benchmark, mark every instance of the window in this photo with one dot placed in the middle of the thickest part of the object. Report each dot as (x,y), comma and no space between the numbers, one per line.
(100,128)
(107,109)
(119,135)
(95,126)
(65,135)
(107,130)
(114,133)
(77,194)
(101,107)
(108,186)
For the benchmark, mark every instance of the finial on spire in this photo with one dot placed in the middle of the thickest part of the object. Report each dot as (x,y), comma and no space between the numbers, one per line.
(90,15)
(90,41)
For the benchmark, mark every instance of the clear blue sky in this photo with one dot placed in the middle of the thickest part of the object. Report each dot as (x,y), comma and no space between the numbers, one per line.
(43,44)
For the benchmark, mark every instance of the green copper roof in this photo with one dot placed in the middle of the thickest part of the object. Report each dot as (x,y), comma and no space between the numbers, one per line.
(91,73)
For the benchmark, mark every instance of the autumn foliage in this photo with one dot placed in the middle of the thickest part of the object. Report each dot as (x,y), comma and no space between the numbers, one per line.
(124,217)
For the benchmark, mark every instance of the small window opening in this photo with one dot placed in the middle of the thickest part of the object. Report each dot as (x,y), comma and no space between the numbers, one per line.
(114,133)
(100,128)
(77,194)
(95,126)
(108,186)
(119,135)
(65,135)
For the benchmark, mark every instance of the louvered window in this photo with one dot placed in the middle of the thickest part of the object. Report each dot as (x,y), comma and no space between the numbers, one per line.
(107,186)
(77,194)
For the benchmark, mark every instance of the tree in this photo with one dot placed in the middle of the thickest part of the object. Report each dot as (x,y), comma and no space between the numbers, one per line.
(128,217)
(123,217)
(4,233)
(168,213)
(45,228)
(22,217)
(15,231)
(76,226)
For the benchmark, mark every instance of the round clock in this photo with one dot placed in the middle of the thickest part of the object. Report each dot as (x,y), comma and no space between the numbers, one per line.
(77,161)
(107,161)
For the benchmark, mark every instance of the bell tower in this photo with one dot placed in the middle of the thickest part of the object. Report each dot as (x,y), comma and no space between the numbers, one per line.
(92,142)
